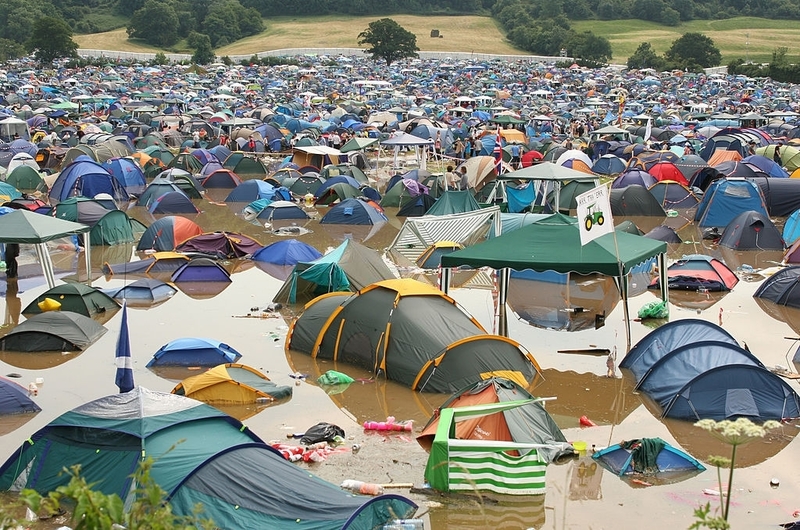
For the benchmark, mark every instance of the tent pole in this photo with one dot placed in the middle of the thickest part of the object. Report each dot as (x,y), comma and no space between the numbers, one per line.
(663,278)
(47,266)
(504,276)
(444,279)
(88,255)
(625,312)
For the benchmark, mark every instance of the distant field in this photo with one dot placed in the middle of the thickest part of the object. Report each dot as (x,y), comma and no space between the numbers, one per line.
(467,34)
(744,37)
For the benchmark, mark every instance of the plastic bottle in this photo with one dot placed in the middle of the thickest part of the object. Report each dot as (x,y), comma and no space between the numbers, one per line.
(364,488)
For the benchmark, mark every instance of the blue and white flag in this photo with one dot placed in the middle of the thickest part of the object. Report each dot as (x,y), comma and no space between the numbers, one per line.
(124,379)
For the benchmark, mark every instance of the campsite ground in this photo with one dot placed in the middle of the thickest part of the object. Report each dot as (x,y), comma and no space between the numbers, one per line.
(742,37)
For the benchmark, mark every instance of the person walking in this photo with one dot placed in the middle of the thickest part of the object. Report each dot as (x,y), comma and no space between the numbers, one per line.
(11,255)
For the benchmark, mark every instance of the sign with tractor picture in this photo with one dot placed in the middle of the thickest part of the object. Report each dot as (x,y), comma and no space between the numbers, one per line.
(594,214)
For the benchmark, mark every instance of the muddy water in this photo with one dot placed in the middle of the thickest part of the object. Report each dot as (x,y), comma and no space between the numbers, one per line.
(579,495)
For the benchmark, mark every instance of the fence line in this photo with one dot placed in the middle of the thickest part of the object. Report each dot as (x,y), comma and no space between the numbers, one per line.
(315,52)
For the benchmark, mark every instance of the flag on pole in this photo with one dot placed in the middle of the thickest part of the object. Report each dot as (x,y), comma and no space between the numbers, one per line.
(594,214)
(124,379)
(498,153)
(648,130)
(621,109)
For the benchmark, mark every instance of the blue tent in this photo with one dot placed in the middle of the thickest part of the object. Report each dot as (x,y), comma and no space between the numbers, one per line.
(346,179)
(287,252)
(250,190)
(668,337)
(668,375)
(144,291)
(194,352)
(173,202)
(278,210)
(735,391)
(14,399)
(725,199)
(781,288)
(791,229)
(128,174)
(623,458)
(608,165)
(154,191)
(353,212)
(201,270)
(634,176)
(85,177)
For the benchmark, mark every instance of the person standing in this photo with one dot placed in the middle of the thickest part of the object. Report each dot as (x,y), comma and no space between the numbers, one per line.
(477,146)
(516,156)
(196,139)
(776,157)
(12,252)
(463,183)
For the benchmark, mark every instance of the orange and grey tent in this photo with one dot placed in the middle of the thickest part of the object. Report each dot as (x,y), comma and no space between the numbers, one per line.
(412,333)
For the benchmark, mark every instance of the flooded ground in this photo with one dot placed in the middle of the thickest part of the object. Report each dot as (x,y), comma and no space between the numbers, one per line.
(579,495)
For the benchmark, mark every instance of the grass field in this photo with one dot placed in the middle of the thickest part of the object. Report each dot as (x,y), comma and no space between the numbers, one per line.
(745,37)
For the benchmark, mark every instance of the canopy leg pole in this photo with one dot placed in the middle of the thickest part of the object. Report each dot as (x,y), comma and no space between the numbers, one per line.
(47,266)
(627,317)
(503,279)
(663,277)
(88,255)
(444,279)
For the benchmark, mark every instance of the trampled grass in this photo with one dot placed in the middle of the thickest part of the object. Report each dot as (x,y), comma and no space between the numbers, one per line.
(746,37)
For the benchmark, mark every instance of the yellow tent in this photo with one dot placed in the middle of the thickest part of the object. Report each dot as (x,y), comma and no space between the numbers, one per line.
(232,384)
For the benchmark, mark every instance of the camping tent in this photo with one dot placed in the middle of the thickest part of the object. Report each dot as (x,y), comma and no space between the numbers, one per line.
(725,199)
(751,231)
(354,211)
(75,297)
(53,331)
(635,200)
(698,272)
(231,383)
(200,456)
(781,288)
(14,399)
(201,270)
(194,352)
(221,244)
(529,423)
(411,332)
(144,292)
(668,337)
(350,266)
(167,233)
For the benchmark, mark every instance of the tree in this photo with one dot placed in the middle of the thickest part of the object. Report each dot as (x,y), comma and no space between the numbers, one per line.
(588,46)
(645,57)
(388,40)
(10,49)
(155,23)
(694,50)
(50,39)
(203,52)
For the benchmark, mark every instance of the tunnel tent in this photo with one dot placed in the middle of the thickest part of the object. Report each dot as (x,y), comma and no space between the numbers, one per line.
(668,337)
(414,334)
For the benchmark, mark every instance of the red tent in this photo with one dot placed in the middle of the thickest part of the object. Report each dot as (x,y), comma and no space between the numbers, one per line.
(667,171)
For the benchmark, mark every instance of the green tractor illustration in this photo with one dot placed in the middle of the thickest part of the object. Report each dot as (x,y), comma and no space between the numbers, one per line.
(594,217)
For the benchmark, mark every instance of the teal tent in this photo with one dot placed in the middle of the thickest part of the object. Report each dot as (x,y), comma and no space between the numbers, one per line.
(350,266)
(201,457)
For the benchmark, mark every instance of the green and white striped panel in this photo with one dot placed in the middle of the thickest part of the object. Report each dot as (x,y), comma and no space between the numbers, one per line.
(486,469)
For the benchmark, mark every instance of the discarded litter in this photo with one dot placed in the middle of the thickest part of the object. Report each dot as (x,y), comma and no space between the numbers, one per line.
(332,377)
(389,425)
(364,488)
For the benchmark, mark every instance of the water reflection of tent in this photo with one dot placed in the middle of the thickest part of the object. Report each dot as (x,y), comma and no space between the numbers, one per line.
(703,444)
(53,331)
(563,301)
(500,512)
(667,464)
(612,399)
